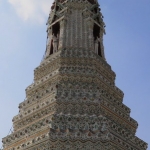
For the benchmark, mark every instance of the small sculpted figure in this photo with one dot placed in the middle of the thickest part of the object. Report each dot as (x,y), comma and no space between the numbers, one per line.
(96,45)
(55,43)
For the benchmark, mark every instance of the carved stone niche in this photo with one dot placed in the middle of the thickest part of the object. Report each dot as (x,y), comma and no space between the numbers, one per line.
(97,39)
(53,39)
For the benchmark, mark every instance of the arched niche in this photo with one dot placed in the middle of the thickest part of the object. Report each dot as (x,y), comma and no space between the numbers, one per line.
(97,40)
(55,38)
(56,29)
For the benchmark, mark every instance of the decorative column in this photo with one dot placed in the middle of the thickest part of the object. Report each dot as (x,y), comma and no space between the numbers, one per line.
(48,45)
(101,43)
(90,25)
(62,36)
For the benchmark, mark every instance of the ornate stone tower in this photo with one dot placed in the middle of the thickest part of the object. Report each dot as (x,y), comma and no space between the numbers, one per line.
(73,103)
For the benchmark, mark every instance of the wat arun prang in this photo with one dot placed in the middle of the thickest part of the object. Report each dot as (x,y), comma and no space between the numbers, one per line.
(73,103)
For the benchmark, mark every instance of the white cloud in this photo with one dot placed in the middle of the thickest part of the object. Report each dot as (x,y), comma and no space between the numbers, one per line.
(32,10)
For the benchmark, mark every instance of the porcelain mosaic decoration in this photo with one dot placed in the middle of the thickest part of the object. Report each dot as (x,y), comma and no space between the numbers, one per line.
(73,103)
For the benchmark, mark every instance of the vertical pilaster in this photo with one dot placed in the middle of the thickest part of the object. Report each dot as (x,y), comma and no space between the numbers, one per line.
(101,44)
(90,25)
(48,44)
(80,29)
(62,38)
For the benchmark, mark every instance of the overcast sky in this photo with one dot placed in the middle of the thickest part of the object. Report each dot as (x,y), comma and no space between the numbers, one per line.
(127,50)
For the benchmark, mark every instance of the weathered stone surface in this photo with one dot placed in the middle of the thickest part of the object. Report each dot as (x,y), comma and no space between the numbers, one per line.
(73,103)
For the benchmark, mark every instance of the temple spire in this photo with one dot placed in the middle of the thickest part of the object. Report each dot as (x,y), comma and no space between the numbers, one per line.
(75,26)
(73,103)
